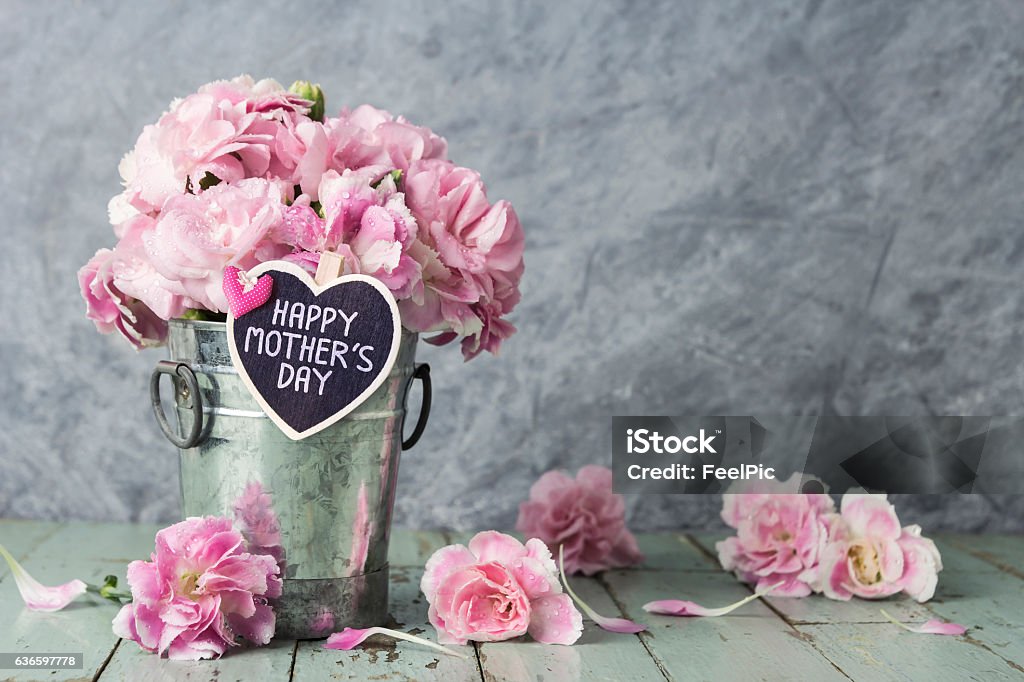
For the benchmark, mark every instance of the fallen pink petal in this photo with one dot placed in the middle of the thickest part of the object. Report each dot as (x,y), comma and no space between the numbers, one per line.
(349,638)
(931,627)
(619,625)
(679,607)
(39,597)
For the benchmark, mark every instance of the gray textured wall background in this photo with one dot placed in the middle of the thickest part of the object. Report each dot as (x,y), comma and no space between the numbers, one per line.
(731,207)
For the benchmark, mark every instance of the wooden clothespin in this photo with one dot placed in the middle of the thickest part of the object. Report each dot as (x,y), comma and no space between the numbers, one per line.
(330,268)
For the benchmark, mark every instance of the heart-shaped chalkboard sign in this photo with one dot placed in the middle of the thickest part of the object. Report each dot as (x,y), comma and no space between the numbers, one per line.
(311,354)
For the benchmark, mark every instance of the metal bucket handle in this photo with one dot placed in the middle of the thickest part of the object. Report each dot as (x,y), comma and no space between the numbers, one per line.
(191,390)
(185,373)
(423,374)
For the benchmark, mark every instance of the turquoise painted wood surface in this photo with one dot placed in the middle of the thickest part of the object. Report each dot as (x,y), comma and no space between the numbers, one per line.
(770,639)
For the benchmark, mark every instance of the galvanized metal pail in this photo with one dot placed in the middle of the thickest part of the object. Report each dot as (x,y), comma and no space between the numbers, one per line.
(322,506)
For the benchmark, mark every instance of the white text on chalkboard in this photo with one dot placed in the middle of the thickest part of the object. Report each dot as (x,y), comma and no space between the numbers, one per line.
(314,357)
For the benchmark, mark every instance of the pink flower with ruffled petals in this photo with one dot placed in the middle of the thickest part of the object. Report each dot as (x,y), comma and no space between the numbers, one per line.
(307,260)
(197,236)
(779,537)
(367,136)
(238,174)
(301,227)
(225,129)
(495,589)
(471,256)
(582,515)
(869,555)
(370,227)
(111,309)
(301,153)
(262,96)
(921,563)
(136,277)
(201,591)
(446,303)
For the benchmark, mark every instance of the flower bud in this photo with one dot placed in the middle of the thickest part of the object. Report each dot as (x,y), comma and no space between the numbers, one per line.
(314,94)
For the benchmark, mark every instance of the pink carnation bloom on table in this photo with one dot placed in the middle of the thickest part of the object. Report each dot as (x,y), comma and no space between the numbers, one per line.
(471,256)
(201,591)
(582,515)
(779,538)
(869,555)
(495,589)
(197,236)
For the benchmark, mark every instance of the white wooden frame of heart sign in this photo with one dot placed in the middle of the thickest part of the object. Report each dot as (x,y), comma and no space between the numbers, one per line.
(316,290)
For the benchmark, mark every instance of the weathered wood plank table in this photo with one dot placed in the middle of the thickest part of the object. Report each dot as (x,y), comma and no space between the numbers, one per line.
(770,639)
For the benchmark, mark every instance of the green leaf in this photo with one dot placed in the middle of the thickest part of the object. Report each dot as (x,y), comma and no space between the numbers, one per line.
(199,315)
(396,175)
(208,181)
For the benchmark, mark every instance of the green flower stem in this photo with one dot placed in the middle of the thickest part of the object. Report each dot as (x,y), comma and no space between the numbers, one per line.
(108,590)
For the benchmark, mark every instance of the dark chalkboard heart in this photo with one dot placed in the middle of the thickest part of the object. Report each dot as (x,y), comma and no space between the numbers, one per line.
(311,354)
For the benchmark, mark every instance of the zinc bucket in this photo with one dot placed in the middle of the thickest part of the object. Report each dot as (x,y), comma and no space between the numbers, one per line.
(321,506)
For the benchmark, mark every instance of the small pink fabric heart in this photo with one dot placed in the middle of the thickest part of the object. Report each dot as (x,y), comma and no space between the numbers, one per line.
(240,300)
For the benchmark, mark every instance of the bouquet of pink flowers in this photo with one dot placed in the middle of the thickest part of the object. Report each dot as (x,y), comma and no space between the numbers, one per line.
(242,172)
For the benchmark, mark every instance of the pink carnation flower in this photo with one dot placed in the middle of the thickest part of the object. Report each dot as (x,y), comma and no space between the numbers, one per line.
(367,136)
(232,175)
(226,129)
(197,236)
(497,588)
(869,555)
(301,153)
(370,227)
(363,139)
(112,309)
(262,96)
(779,538)
(135,275)
(582,515)
(471,256)
(200,592)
